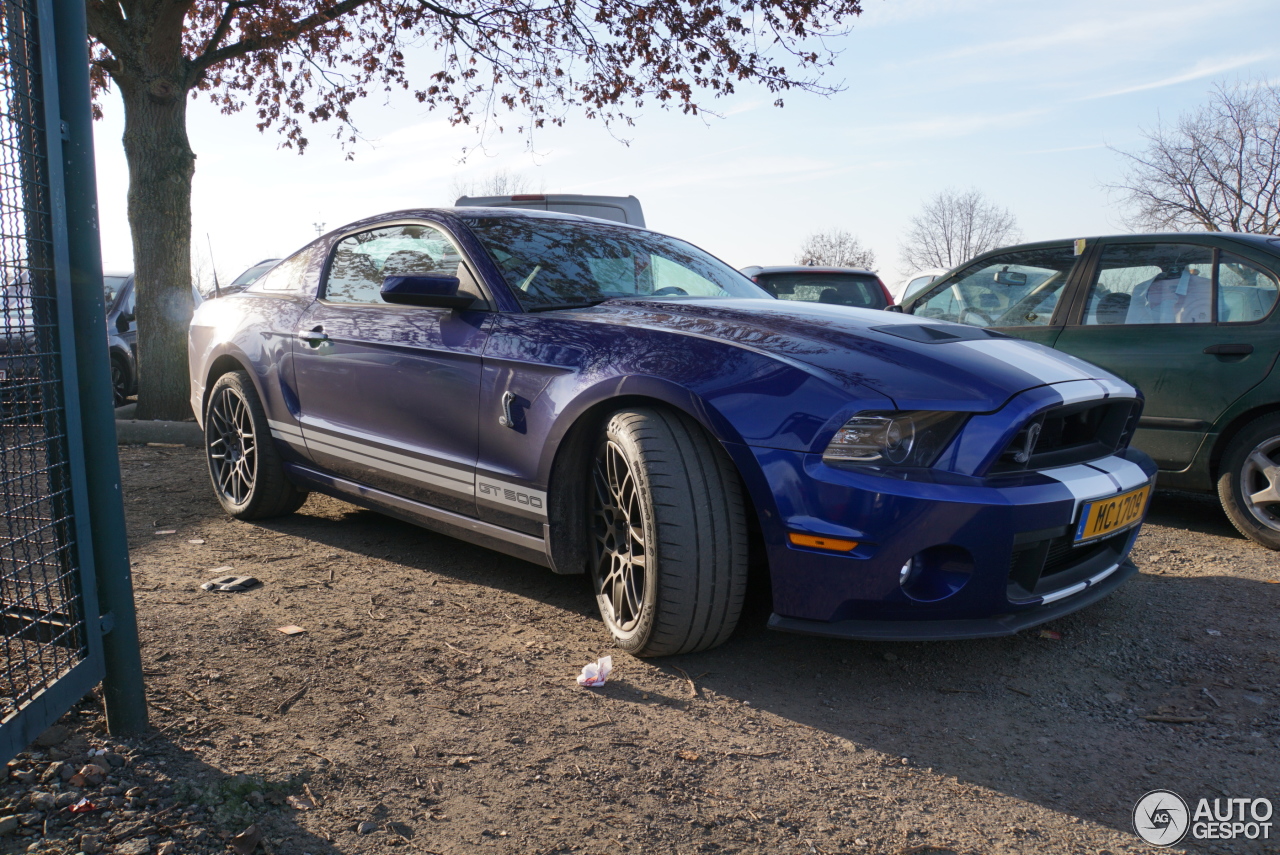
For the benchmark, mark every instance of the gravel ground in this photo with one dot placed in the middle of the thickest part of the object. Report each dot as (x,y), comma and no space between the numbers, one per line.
(430,706)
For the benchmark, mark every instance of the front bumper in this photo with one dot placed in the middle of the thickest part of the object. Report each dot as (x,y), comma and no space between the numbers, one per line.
(1002,549)
(954,630)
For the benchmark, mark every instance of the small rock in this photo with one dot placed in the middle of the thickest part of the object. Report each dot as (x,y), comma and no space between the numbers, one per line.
(114,759)
(367,827)
(167,848)
(135,792)
(891,657)
(31,819)
(24,776)
(42,801)
(92,774)
(8,824)
(112,790)
(66,800)
(55,735)
(255,798)
(136,846)
(90,844)
(1214,632)
(52,772)
(1113,697)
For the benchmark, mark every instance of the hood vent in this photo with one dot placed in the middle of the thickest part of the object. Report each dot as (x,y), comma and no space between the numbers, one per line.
(938,333)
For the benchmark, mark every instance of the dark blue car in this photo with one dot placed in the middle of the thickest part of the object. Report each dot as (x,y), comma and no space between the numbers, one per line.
(600,399)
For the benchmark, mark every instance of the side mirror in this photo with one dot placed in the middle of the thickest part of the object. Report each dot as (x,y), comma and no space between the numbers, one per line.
(123,320)
(896,307)
(439,292)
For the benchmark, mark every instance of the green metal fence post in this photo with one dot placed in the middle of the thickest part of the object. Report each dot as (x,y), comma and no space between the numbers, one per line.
(122,686)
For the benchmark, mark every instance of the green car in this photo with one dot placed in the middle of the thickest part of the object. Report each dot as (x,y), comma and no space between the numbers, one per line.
(1187,318)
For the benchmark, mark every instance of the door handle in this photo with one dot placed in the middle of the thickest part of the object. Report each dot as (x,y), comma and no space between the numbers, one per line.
(315,337)
(1229,349)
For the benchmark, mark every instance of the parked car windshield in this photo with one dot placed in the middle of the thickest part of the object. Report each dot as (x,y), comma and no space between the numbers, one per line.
(111,286)
(839,289)
(550,263)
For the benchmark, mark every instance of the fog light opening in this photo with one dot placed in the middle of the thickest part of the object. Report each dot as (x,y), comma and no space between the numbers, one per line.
(936,573)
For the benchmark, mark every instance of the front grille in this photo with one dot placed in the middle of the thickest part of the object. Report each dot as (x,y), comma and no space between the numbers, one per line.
(1051,561)
(1072,433)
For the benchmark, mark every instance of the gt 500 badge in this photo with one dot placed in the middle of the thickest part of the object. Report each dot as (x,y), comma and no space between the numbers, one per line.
(512,496)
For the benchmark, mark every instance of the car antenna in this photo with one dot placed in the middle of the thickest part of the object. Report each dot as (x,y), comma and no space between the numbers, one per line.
(217,292)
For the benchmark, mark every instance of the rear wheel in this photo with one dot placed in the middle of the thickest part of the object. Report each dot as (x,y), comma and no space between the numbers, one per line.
(669,534)
(1249,481)
(244,465)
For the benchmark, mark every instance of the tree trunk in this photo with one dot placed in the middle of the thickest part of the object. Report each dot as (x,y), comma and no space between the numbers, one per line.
(161,165)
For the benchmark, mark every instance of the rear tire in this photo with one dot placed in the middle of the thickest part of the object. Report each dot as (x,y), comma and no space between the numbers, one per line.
(248,476)
(669,534)
(1249,481)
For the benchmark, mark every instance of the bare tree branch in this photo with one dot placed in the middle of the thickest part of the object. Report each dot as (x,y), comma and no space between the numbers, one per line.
(1216,169)
(955,226)
(835,248)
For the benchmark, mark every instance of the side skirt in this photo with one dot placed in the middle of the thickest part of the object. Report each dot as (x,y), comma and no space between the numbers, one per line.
(514,543)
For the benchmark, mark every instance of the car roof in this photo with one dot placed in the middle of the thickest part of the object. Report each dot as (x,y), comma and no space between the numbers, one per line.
(1269,243)
(468,213)
(756,270)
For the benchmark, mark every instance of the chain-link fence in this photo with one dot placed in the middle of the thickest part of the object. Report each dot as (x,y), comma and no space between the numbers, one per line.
(57,457)
(42,616)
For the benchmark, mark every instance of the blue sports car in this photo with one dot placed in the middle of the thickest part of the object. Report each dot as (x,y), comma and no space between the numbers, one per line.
(601,399)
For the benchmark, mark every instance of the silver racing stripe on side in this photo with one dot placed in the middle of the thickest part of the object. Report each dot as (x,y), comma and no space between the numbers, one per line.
(522,499)
(442,482)
(439,469)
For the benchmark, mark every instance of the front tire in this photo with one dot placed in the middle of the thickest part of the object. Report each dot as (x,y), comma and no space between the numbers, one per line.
(248,476)
(119,381)
(669,534)
(1249,481)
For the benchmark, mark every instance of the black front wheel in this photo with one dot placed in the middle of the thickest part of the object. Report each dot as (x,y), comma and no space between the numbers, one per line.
(248,476)
(119,381)
(669,534)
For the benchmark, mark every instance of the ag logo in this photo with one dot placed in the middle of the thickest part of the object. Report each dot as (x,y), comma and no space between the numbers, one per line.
(1161,818)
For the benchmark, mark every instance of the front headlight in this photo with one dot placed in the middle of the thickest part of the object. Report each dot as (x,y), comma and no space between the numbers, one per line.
(911,438)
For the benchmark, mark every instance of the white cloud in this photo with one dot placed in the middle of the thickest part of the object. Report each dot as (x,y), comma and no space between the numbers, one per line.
(1199,71)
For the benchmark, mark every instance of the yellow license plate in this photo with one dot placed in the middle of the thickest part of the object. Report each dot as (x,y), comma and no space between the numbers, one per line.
(1108,516)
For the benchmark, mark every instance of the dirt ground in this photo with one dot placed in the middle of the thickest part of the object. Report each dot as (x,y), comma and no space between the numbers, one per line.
(430,705)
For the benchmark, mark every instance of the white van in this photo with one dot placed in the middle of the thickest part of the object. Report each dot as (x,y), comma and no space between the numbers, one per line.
(620,209)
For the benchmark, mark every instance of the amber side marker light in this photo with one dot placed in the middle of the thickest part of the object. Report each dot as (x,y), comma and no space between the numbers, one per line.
(835,544)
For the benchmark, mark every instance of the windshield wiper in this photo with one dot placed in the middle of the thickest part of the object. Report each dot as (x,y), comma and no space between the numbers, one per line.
(582,304)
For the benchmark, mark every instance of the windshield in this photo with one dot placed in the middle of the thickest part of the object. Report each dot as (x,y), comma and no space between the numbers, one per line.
(552,263)
(111,286)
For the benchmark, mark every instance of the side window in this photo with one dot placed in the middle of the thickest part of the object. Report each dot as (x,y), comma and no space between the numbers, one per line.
(362,261)
(1160,283)
(1246,293)
(1016,289)
(289,275)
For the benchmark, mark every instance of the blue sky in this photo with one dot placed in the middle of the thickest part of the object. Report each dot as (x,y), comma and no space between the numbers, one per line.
(1018,99)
